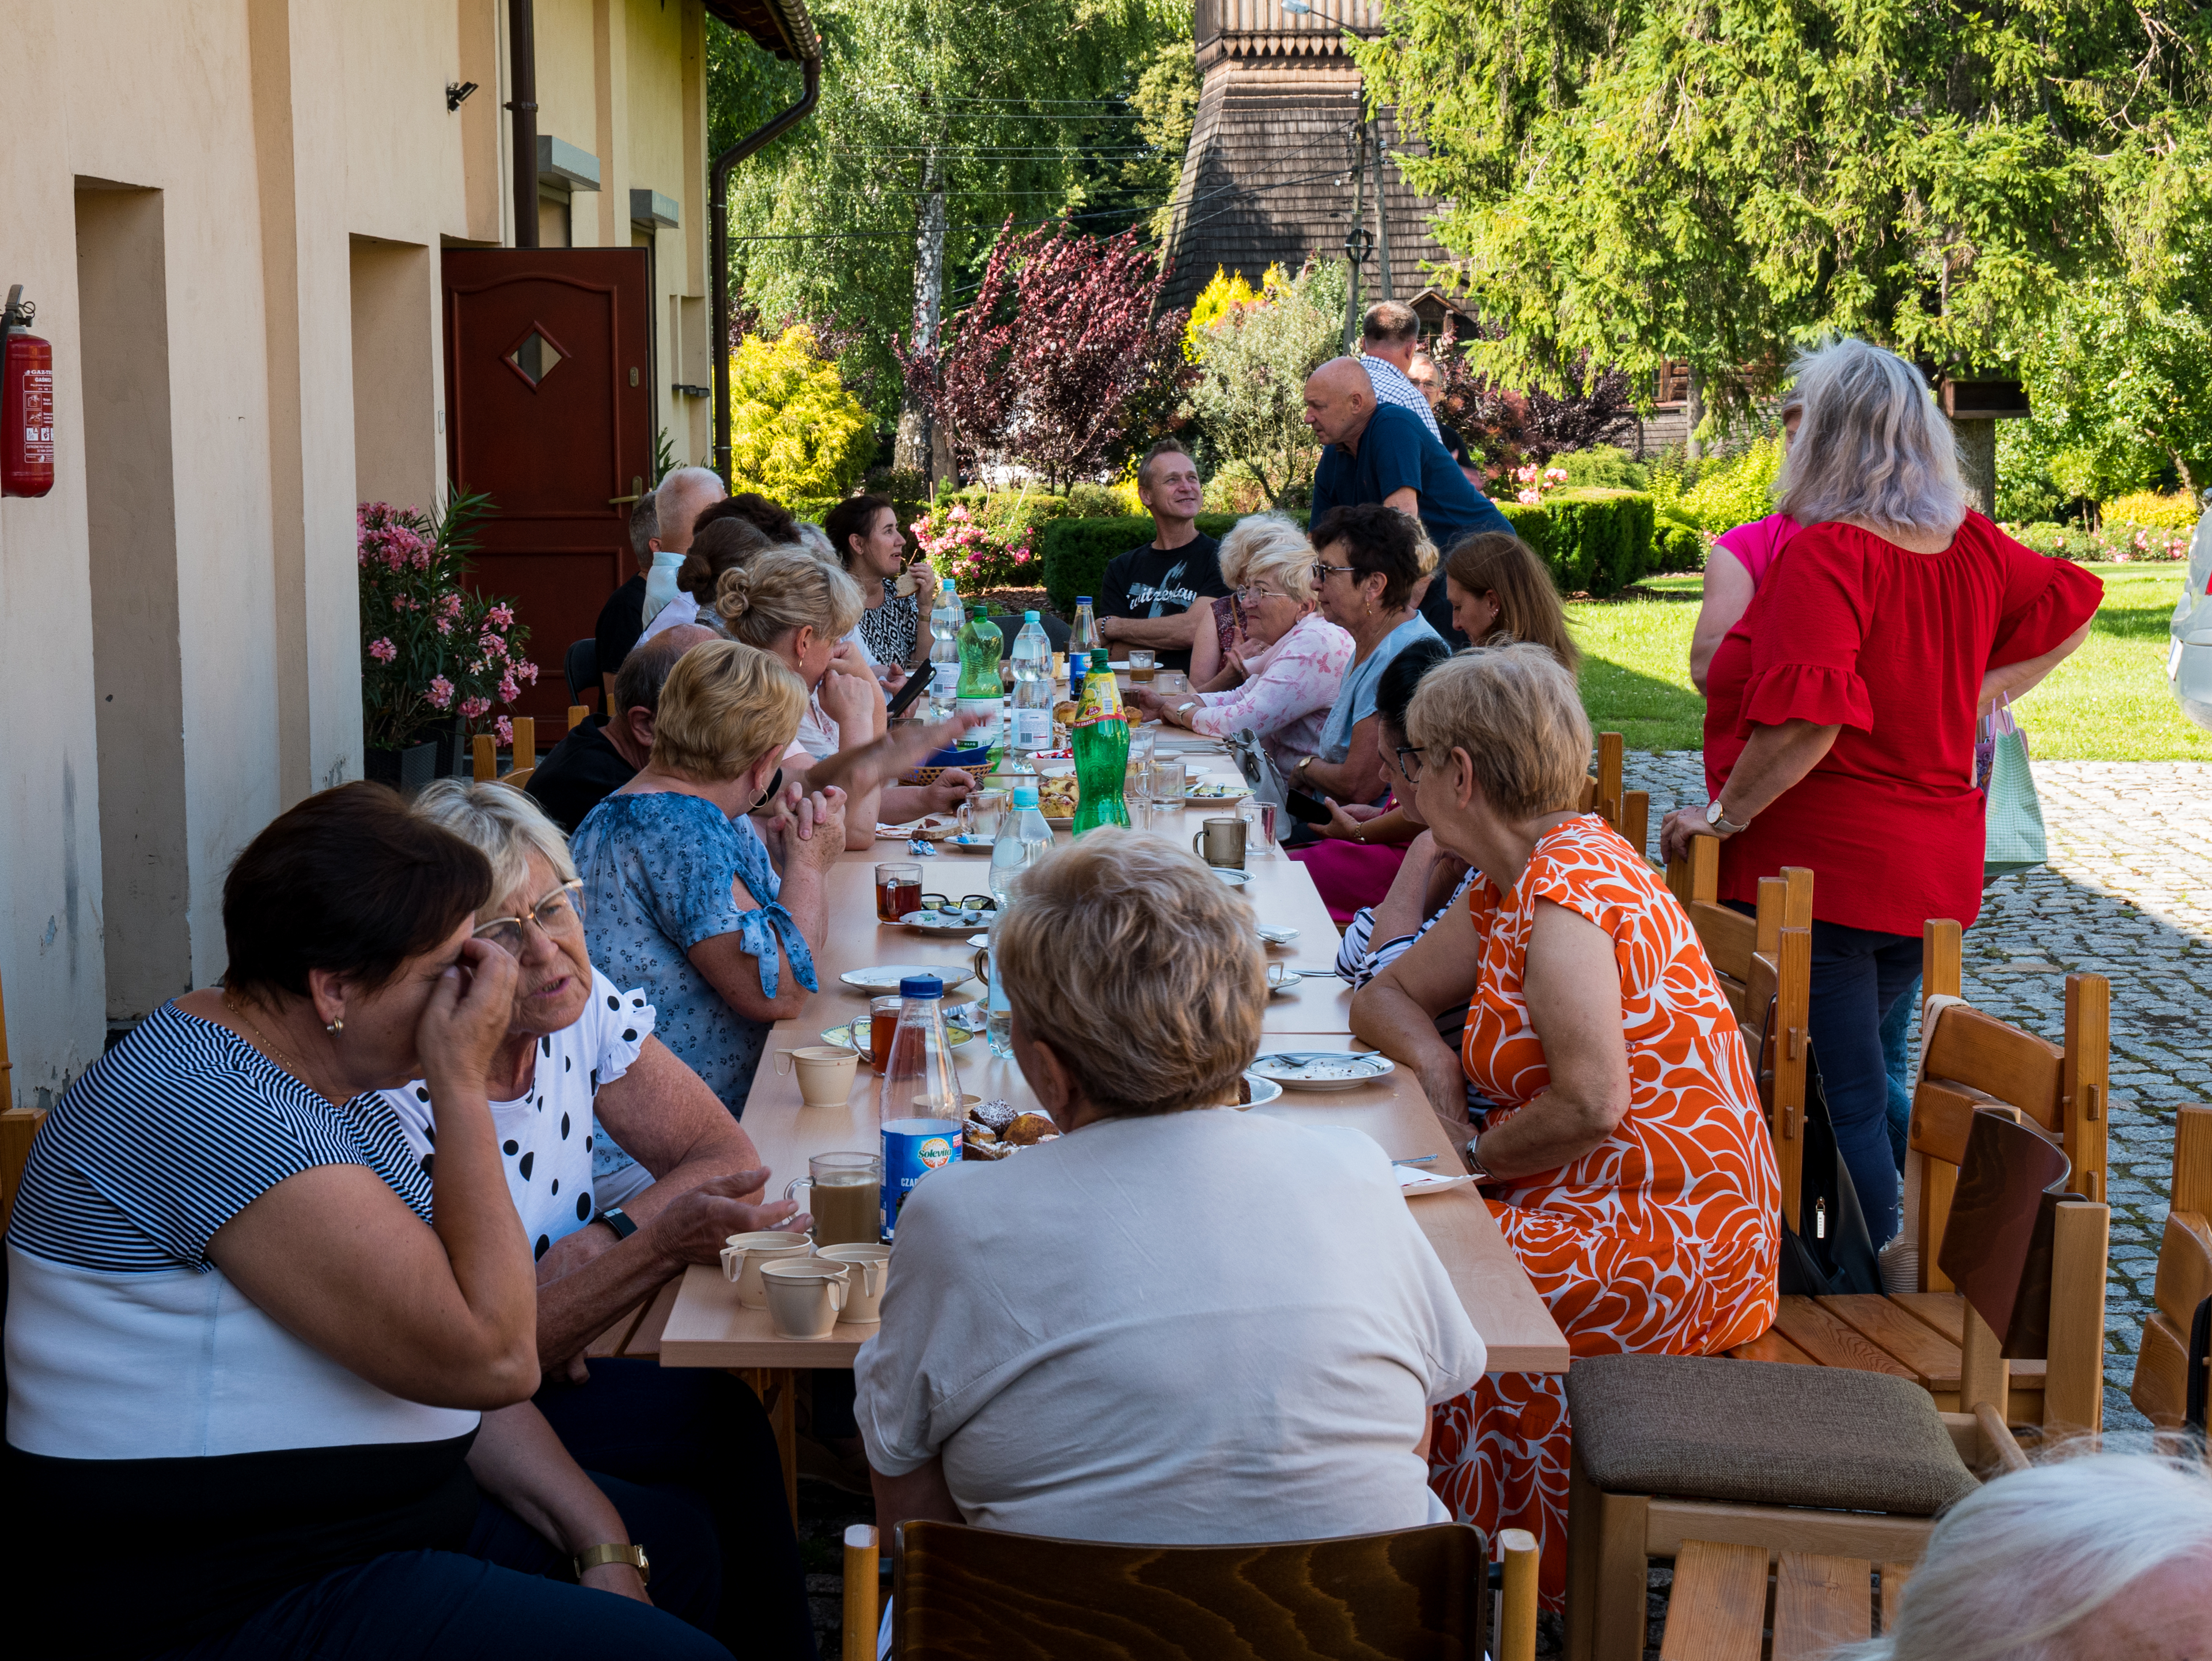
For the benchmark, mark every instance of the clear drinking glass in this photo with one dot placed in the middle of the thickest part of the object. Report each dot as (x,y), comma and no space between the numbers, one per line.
(1168,778)
(980,815)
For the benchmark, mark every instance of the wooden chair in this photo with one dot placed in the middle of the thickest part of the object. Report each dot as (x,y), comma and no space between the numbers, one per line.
(1724,1602)
(2171,1350)
(18,1126)
(523,758)
(578,715)
(1765,965)
(960,1593)
(1628,811)
(1833,1462)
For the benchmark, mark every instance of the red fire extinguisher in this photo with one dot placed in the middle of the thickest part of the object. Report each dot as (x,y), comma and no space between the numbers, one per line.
(27,403)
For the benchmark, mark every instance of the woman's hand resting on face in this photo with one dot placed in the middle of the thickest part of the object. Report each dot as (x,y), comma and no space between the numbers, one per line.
(466,1019)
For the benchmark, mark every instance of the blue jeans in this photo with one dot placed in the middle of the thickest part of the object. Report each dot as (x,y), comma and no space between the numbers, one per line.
(1897,1062)
(701,1434)
(443,1606)
(1859,975)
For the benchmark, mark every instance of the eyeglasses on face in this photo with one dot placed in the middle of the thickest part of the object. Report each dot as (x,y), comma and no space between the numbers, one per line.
(1321,571)
(1410,771)
(1252,596)
(558,915)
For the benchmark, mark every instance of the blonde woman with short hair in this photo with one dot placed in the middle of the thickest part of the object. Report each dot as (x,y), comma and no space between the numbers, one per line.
(1288,664)
(682,890)
(1840,712)
(1624,1157)
(1176,1322)
(802,609)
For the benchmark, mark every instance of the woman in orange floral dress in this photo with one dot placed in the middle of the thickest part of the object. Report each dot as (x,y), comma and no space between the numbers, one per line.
(1624,1155)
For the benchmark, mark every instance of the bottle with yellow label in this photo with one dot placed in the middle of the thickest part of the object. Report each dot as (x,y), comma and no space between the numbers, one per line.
(1102,749)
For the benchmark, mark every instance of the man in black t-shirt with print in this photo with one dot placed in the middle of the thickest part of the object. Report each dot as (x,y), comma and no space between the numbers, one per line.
(1152,595)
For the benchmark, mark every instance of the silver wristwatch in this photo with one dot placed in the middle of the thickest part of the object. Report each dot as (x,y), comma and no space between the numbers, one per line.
(1474,1163)
(1721,822)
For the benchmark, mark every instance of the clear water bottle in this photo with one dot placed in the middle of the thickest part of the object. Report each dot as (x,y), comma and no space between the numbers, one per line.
(1083,639)
(920,1063)
(1024,839)
(945,655)
(1033,694)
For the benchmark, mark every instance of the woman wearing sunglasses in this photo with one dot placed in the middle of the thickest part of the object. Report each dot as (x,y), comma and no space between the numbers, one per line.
(623,1168)
(1285,671)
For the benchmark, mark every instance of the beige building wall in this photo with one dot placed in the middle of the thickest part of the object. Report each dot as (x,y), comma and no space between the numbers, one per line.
(230,215)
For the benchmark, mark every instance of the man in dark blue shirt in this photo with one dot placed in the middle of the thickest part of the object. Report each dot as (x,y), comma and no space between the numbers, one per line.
(1380,453)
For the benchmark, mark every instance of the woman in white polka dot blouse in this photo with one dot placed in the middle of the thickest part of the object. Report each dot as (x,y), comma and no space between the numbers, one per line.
(580,1064)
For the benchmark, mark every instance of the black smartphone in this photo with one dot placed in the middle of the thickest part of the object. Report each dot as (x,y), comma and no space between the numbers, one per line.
(1305,809)
(917,683)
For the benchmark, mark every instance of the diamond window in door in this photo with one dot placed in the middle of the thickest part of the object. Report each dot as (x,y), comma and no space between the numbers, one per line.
(535,356)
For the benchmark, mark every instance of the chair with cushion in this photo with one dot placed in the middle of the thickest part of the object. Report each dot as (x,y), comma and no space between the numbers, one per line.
(960,1592)
(2171,1362)
(581,669)
(1829,1461)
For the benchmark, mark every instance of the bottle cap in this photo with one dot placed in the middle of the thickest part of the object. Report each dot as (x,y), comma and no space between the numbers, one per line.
(1097,657)
(1083,600)
(1025,796)
(921,986)
(1029,617)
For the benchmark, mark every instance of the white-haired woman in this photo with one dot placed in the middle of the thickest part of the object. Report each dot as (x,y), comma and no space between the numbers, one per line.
(1839,719)
(1047,1366)
(2106,1554)
(609,1221)
(1290,664)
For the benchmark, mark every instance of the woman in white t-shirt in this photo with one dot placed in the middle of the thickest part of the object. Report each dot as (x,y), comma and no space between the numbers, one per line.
(1176,1323)
(623,1167)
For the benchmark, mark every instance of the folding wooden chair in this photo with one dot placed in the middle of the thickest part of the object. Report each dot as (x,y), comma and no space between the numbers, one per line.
(1628,811)
(523,758)
(2171,1362)
(959,1592)
(1833,1462)
(1724,1602)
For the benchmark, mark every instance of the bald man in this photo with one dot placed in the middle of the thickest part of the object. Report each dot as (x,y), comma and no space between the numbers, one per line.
(603,755)
(661,522)
(1375,452)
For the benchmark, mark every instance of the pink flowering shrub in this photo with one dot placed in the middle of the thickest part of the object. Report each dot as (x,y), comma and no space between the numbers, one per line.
(1532,482)
(976,555)
(431,648)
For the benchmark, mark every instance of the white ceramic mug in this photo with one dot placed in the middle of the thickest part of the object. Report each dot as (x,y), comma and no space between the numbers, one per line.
(804,1295)
(864,1292)
(825,1073)
(744,1254)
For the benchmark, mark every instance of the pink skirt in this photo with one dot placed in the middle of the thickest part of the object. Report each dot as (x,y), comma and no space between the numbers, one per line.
(1350,874)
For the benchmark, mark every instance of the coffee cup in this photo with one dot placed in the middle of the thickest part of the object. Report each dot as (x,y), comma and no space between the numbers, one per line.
(805,1296)
(825,1073)
(929,1107)
(1221,843)
(742,1256)
(864,1291)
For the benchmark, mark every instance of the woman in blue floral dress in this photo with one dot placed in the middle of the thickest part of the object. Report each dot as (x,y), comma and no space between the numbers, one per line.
(681,885)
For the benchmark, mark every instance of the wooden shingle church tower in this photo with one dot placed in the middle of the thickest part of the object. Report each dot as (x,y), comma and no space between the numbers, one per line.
(1278,162)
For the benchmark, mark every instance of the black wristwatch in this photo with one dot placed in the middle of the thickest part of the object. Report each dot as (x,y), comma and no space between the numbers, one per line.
(617,1219)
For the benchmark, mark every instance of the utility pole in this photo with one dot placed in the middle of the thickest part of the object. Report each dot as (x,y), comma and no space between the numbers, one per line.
(1356,241)
(1382,217)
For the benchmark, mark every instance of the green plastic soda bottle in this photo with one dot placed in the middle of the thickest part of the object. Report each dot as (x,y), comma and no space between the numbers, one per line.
(1101,750)
(981,692)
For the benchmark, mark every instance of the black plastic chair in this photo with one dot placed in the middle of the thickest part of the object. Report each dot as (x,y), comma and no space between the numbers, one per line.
(580,668)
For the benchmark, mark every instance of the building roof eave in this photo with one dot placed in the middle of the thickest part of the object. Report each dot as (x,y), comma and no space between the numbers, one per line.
(782,27)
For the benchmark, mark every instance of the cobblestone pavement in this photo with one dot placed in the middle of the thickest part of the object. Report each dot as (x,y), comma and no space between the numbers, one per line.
(2128,895)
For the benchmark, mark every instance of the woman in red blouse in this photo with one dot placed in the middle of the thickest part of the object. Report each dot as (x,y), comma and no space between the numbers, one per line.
(1839,725)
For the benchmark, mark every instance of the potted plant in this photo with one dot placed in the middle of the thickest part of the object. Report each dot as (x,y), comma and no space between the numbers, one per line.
(437,660)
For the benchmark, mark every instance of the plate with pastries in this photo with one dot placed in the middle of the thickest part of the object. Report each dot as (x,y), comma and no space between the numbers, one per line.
(998,1129)
(934,827)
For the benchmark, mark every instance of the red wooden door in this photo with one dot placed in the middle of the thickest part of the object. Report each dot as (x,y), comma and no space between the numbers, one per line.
(549,410)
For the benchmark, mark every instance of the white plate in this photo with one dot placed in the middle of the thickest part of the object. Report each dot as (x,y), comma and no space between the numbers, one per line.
(1234,878)
(885,977)
(1323,1069)
(1274,936)
(1263,1091)
(963,844)
(1417,1179)
(940,923)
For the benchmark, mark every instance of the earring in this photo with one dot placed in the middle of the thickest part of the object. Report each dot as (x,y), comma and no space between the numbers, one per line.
(334,1027)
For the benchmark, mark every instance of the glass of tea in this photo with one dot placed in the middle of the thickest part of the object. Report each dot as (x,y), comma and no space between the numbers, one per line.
(883,1021)
(844,1192)
(899,891)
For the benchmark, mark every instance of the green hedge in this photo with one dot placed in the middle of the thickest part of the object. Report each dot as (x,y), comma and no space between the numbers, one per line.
(1594,540)
(1076,551)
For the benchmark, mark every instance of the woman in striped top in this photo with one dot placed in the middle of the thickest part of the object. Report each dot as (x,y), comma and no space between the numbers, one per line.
(256,1348)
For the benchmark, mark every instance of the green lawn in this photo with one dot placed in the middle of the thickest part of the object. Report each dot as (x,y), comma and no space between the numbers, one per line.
(2107,702)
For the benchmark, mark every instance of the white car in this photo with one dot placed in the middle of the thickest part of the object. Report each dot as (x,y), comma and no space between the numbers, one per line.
(2189,651)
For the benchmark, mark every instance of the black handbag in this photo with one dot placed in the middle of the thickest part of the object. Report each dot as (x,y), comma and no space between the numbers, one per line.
(1831,1252)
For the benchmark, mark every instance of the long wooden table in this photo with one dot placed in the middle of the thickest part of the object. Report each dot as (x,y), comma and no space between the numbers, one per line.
(705,1326)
